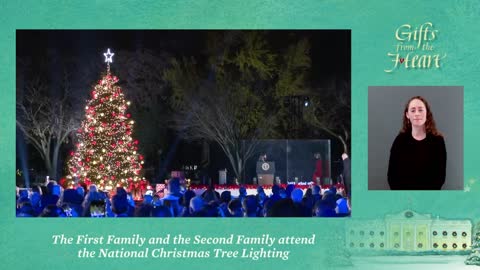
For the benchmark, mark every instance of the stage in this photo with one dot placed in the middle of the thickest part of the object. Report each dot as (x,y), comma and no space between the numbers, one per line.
(252,189)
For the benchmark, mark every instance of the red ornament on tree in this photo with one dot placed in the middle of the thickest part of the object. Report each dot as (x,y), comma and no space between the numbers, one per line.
(107,129)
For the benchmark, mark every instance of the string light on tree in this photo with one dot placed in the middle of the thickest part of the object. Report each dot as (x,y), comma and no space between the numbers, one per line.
(103,156)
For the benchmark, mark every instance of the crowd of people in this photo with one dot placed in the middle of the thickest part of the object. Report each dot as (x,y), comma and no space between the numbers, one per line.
(53,201)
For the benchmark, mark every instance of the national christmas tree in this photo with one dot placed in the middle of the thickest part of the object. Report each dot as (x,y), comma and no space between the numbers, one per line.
(474,257)
(106,154)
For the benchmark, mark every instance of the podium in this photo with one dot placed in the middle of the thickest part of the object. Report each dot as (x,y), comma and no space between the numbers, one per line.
(222,177)
(265,172)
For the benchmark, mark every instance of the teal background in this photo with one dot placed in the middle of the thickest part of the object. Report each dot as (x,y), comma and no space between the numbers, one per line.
(27,243)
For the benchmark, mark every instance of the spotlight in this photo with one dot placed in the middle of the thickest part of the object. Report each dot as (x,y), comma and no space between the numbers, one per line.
(306,102)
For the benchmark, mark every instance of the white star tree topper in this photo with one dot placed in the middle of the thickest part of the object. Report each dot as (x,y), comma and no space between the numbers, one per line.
(108,56)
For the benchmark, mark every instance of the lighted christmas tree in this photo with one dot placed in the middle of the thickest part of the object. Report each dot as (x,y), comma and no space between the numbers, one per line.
(474,257)
(106,154)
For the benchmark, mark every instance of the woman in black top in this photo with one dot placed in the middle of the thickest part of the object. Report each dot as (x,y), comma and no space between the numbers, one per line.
(418,156)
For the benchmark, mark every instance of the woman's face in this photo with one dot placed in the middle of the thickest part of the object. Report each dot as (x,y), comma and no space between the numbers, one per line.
(417,113)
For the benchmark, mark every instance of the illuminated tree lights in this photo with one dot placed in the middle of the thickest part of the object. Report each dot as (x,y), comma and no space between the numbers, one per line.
(106,154)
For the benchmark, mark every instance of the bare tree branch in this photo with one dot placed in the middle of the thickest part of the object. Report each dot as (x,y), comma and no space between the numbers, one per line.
(330,112)
(45,120)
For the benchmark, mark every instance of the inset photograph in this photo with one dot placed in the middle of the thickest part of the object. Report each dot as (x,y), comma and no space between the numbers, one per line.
(183,123)
(415,138)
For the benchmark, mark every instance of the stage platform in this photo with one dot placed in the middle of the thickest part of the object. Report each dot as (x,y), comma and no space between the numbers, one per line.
(252,189)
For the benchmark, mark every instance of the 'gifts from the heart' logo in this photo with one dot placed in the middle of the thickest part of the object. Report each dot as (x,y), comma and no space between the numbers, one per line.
(414,48)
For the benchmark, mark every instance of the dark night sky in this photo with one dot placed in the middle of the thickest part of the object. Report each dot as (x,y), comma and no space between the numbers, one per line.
(330,49)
